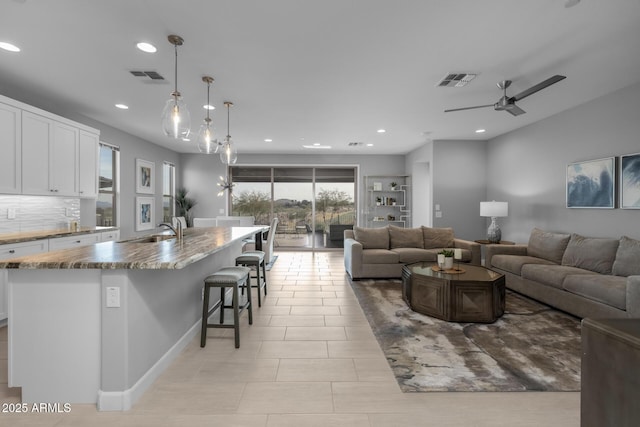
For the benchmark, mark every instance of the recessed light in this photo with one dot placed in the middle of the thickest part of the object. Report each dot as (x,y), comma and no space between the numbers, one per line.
(146,47)
(381,130)
(122,106)
(480,130)
(268,140)
(369,145)
(317,146)
(10,47)
(208,107)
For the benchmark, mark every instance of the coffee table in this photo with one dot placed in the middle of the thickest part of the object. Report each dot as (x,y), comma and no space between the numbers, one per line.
(475,295)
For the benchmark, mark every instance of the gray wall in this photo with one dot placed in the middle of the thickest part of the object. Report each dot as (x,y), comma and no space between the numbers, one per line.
(527,167)
(201,173)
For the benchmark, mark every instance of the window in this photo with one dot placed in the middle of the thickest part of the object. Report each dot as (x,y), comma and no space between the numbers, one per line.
(109,188)
(168,191)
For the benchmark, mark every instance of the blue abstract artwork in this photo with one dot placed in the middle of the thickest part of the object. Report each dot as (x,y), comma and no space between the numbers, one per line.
(630,181)
(591,184)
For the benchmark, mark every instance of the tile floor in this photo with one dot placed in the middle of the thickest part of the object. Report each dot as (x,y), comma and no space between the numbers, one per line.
(309,359)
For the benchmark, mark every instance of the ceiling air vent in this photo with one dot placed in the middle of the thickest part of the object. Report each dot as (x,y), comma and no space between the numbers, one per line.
(355,144)
(153,75)
(456,80)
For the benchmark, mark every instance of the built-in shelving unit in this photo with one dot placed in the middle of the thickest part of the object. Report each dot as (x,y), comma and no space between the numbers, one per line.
(387,204)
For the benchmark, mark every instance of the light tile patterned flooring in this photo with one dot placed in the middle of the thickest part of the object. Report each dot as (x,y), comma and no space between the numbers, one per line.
(309,359)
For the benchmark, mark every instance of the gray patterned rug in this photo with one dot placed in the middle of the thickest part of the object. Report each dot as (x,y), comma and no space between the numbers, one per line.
(531,348)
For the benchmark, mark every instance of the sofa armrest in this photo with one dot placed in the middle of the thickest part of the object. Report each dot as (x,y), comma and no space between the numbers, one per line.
(491,250)
(633,296)
(353,257)
(473,247)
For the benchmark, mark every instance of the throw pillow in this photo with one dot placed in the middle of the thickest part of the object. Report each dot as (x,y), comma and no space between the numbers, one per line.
(372,238)
(590,253)
(547,245)
(405,237)
(436,238)
(627,258)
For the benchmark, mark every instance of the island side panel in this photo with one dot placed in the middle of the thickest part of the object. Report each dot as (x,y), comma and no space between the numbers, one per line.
(54,335)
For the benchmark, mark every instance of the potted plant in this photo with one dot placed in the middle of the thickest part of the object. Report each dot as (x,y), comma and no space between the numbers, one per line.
(393,185)
(378,201)
(445,259)
(184,205)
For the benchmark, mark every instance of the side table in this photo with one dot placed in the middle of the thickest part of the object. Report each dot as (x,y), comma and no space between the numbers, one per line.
(486,242)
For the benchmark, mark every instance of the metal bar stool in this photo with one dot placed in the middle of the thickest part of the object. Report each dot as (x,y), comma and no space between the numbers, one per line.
(226,277)
(255,259)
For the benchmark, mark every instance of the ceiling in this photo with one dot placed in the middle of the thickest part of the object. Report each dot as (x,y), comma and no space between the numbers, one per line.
(328,72)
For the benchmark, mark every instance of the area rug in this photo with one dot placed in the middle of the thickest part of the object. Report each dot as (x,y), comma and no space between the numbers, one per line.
(531,348)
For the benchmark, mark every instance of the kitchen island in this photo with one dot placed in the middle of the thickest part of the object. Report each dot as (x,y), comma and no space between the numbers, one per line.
(98,324)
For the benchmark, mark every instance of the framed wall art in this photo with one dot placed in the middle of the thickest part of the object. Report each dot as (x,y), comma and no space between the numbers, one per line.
(592,184)
(145,213)
(144,176)
(630,181)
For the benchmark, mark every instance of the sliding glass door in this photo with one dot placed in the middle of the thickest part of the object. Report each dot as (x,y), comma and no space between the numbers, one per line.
(313,204)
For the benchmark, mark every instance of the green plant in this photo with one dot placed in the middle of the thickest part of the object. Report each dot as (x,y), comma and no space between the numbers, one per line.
(184,204)
(393,185)
(446,252)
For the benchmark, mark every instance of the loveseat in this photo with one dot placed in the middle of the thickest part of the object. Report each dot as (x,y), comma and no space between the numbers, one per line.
(381,252)
(584,276)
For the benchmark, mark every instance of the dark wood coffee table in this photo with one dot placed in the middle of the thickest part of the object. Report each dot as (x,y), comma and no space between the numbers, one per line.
(476,295)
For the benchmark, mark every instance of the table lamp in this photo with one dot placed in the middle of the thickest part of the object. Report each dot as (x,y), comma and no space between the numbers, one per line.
(493,210)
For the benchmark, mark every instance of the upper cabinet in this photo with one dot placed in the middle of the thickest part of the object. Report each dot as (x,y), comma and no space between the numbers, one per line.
(10,140)
(58,157)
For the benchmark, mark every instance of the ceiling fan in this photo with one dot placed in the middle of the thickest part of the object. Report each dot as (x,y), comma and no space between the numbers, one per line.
(508,104)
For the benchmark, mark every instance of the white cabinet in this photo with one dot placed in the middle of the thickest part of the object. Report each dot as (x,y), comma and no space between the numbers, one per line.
(37,132)
(63,162)
(110,236)
(88,164)
(15,250)
(73,241)
(10,147)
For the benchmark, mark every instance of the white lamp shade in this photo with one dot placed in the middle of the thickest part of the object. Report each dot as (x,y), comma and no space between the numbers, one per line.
(494,209)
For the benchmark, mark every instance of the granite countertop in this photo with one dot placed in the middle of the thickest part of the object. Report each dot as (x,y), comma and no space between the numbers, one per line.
(132,254)
(29,236)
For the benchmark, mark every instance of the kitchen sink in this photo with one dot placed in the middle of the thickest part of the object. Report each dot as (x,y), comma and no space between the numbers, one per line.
(151,239)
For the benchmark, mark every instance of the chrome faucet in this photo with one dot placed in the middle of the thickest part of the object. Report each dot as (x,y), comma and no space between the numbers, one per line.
(177,231)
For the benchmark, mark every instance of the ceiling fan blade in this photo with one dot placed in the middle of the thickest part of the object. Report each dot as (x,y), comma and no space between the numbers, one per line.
(468,108)
(514,110)
(538,87)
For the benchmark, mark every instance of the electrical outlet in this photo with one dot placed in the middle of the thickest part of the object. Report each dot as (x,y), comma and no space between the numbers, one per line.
(439,214)
(221,211)
(437,207)
(113,297)
(11,213)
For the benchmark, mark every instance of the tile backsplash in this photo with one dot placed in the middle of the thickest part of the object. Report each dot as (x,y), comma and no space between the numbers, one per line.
(34,213)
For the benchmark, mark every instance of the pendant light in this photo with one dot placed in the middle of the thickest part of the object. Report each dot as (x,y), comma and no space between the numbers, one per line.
(176,121)
(206,142)
(228,152)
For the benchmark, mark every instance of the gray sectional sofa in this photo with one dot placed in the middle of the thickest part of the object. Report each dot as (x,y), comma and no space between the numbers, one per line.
(584,276)
(381,252)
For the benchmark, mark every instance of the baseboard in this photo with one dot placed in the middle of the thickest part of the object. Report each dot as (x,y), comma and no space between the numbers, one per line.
(124,400)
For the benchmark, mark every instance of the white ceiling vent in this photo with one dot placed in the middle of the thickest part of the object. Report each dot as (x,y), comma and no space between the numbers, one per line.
(456,80)
(153,75)
(355,144)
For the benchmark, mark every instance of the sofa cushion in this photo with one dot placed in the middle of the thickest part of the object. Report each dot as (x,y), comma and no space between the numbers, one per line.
(551,275)
(627,256)
(400,237)
(513,263)
(547,245)
(411,255)
(437,237)
(379,256)
(595,254)
(610,290)
(372,238)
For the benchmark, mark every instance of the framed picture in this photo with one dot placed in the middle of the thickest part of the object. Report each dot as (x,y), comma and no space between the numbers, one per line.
(145,213)
(377,186)
(144,176)
(591,184)
(630,181)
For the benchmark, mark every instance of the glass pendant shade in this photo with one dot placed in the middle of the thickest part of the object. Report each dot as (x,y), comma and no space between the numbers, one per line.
(207,144)
(228,152)
(176,120)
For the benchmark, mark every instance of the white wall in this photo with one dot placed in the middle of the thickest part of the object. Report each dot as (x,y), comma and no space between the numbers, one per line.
(527,167)
(418,165)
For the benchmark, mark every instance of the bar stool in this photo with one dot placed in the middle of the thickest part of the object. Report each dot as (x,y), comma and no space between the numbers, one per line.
(255,259)
(226,277)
